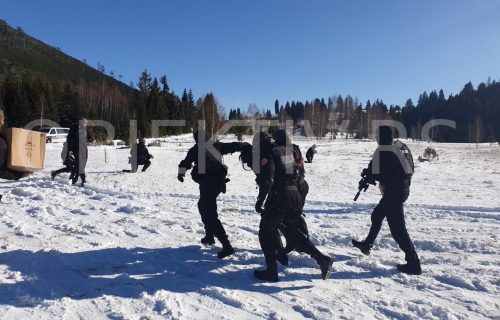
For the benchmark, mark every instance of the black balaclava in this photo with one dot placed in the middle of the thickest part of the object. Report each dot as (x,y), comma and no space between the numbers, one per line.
(384,136)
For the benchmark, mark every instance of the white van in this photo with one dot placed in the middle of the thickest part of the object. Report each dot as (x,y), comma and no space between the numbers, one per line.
(55,134)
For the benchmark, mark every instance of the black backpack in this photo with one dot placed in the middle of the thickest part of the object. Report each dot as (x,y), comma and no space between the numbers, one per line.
(408,164)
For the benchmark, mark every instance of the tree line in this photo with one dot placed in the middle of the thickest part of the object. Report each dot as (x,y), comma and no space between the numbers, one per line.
(31,97)
(476,112)
(27,97)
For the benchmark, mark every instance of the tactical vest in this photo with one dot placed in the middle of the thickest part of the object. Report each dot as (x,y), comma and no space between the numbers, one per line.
(287,170)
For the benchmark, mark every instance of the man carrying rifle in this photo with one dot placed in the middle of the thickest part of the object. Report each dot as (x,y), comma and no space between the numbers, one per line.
(392,166)
(364,183)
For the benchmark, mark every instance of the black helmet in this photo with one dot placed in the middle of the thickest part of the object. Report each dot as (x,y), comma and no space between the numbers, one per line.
(199,133)
(281,137)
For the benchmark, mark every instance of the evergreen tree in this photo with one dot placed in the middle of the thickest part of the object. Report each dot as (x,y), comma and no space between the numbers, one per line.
(69,108)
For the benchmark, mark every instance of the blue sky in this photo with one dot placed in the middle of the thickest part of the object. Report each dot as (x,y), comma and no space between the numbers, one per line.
(258,51)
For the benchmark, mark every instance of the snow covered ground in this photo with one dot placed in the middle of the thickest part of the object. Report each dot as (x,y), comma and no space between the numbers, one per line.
(126,246)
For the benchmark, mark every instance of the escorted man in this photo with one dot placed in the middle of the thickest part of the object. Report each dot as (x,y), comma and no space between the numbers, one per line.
(392,166)
(288,226)
(6,173)
(211,176)
(74,161)
(299,221)
(310,153)
(278,188)
(143,156)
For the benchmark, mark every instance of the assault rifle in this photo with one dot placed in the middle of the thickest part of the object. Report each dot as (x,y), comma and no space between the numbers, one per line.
(364,183)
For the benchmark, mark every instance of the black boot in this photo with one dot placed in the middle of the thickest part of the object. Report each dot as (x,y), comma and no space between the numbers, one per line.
(282,258)
(53,175)
(208,240)
(326,265)
(226,251)
(268,274)
(362,246)
(74,178)
(412,268)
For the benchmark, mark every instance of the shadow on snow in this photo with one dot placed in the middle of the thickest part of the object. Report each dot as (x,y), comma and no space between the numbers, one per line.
(122,272)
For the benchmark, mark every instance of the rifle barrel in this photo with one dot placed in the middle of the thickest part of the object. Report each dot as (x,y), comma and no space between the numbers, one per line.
(357,195)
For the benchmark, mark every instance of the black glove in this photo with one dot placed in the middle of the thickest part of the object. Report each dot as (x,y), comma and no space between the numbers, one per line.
(180,177)
(258,206)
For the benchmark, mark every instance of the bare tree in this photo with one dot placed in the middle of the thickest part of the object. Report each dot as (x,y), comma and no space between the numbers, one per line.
(252,110)
(478,130)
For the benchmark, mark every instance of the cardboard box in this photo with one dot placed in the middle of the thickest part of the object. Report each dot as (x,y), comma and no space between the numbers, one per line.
(26,149)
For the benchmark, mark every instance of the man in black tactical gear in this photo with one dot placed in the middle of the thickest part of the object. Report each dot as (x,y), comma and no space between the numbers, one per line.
(75,160)
(310,153)
(143,156)
(265,144)
(393,172)
(288,226)
(278,187)
(211,176)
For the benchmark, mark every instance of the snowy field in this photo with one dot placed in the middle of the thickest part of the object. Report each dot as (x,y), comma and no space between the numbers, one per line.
(126,246)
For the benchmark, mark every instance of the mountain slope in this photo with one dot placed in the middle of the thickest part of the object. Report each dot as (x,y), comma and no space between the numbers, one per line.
(29,55)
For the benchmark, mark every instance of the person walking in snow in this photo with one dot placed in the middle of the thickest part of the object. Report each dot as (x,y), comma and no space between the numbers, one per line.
(76,156)
(279,192)
(393,169)
(211,177)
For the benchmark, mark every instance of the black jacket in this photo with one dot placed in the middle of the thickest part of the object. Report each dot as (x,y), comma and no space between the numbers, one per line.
(143,154)
(73,140)
(6,173)
(214,168)
(279,171)
(390,172)
(310,152)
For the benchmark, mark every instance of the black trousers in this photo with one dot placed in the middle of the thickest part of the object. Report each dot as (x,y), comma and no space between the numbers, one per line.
(391,207)
(283,209)
(146,164)
(291,223)
(74,173)
(207,206)
(65,169)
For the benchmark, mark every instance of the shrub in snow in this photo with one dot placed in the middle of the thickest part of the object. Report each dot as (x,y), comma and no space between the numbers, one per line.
(429,155)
